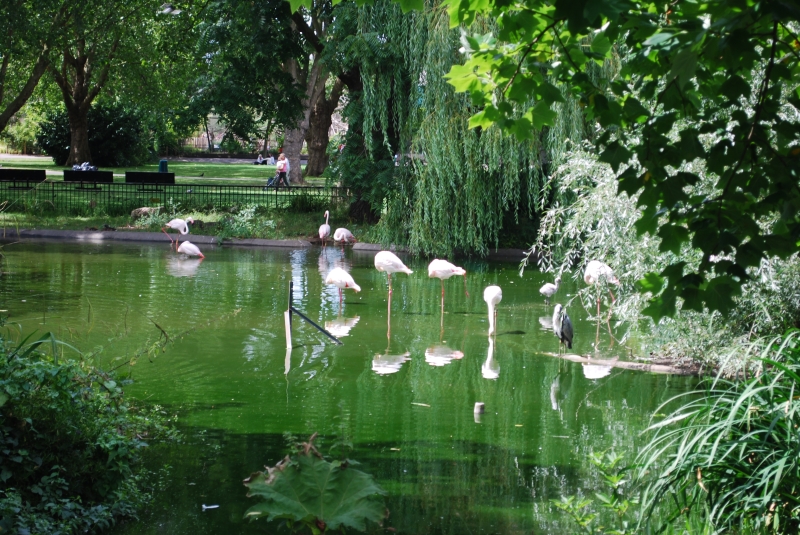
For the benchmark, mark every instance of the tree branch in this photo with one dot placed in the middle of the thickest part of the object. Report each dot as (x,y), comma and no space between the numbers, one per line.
(307,32)
(756,119)
(25,93)
(528,51)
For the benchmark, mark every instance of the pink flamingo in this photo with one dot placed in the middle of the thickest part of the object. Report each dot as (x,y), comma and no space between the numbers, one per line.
(190,249)
(180,225)
(388,262)
(597,271)
(442,269)
(341,279)
(344,235)
(325,229)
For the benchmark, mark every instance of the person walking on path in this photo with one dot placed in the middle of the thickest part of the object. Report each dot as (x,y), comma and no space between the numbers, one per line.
(283,168)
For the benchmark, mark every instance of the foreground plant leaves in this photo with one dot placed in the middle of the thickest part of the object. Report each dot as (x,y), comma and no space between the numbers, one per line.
(321,494)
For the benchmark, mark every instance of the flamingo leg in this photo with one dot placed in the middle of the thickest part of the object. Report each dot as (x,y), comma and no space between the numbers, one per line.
(390,285)
(465,285)
(168,236)
(613,300)
(389,321)
(340,297)
(442,282)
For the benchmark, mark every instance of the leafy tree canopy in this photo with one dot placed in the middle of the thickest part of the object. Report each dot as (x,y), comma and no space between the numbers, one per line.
(701,81)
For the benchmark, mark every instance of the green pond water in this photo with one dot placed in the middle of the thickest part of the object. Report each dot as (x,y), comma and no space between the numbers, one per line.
(404,401)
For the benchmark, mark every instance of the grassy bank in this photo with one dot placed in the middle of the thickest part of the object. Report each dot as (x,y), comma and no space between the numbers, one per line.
(186,172)
(238,222)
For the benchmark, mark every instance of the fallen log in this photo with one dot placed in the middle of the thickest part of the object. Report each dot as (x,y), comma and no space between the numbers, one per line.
(626,365)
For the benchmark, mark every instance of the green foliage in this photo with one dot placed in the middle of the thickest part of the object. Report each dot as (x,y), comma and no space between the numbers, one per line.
(615,479)
(735,451)
(246,46)
(69,443)
(116,136)
(723,76)
(590,221)
(317,494)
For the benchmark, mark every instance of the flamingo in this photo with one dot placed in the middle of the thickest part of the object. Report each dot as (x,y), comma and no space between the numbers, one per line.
(597,271)
(547,290)
(388,262)
(442,269)
(492,295)
(190,249)
(325,229)
(177,224)
(341,279)
(342,234)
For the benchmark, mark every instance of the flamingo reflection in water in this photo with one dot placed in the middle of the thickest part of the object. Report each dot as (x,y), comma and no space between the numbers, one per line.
(596,371)
(441,355)
(491,368)
(385,364)
(341,326)
(178,266)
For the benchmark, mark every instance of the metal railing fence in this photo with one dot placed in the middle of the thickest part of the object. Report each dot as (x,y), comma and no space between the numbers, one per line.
(120,198)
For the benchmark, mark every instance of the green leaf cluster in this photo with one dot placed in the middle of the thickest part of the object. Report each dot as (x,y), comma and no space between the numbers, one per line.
(320,495)
(69,443)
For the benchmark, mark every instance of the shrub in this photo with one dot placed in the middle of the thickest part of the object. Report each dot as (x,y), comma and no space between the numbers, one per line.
(69,444)
(735,451)
(117,136)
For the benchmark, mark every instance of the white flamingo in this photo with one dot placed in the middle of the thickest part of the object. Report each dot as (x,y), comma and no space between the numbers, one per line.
(180,225)
(390,263)
(492,295)
(325,229)
(341,279)
(597,271)
(547,290)
(442,269)
(344,235)
(190,249)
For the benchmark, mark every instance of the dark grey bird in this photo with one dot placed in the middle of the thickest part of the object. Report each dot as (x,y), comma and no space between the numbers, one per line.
(566,329)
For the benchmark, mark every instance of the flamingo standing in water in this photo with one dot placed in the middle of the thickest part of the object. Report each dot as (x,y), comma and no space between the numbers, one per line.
(547,290)
(180,225)
(325,229)
(190,249)
(341,279)
(597,271)
(492,295)
(343,235)
(390,263)
(442,269)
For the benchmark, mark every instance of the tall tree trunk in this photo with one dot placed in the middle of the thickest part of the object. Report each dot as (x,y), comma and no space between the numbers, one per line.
(317,137)
(74,78)
(79,151)
(314,81)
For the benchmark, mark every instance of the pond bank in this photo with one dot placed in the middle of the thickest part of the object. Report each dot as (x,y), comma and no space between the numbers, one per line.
(11,233)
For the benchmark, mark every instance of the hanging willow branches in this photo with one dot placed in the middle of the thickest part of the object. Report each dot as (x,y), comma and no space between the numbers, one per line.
(452,186)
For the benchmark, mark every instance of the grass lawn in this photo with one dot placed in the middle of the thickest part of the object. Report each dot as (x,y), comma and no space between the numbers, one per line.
(185,172)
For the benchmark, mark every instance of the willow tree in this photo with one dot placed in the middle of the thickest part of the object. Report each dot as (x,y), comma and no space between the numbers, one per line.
(452,185)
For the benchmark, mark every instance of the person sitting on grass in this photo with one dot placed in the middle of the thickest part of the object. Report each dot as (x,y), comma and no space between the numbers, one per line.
(260,160)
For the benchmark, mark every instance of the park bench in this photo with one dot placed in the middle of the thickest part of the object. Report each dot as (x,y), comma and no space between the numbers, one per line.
(92,177)
(23,178)
(148,178)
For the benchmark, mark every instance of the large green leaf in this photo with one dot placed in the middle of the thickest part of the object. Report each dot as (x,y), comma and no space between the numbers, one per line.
(326,494)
